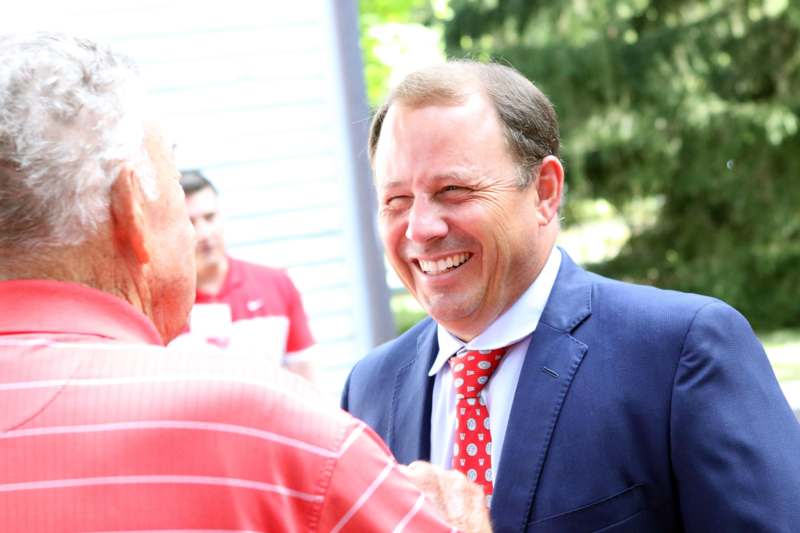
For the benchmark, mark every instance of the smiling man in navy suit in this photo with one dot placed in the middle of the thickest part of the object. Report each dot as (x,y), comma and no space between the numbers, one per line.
(615,407)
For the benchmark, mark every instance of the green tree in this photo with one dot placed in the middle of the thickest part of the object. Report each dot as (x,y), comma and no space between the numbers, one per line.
(694,104)
(377,15)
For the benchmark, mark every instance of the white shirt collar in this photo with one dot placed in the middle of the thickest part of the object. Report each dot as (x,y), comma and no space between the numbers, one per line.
(519,321)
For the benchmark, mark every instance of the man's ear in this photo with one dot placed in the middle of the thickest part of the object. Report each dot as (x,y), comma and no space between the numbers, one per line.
(127,199)
(549,185)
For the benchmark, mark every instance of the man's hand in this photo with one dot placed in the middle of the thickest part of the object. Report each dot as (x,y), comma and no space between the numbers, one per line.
(458,500)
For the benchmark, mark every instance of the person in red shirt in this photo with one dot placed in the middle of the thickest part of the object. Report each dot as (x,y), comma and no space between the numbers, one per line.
(241,305)
(103,428)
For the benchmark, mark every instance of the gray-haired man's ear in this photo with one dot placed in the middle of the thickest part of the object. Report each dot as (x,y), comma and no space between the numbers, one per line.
(128,221)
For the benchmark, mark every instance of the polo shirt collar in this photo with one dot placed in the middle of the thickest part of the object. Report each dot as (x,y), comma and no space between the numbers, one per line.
(53,307)
(519,321)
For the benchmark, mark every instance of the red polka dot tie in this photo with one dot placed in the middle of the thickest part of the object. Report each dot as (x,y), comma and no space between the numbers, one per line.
(472,442)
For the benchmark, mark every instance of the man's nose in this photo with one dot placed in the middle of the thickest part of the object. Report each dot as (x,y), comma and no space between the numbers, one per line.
(425,222)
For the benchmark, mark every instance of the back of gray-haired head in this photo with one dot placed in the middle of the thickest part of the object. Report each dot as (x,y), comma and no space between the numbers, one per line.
(70,116)
(527,116)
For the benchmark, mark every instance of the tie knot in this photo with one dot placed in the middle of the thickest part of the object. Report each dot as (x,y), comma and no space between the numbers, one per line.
(472,370)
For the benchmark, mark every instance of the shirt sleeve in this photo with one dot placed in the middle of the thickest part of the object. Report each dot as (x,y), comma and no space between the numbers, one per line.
(367,492)
(299,337)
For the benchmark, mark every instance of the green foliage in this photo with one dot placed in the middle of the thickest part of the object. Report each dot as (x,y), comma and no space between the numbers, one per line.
(692,103)
(407,312)
(372,15)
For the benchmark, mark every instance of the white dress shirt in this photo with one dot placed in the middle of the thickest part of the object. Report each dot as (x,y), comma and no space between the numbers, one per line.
(513,328)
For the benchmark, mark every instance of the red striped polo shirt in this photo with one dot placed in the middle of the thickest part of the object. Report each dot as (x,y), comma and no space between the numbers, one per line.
(103,429)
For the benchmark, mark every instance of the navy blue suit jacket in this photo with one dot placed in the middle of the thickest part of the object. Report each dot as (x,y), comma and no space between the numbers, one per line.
(637,410)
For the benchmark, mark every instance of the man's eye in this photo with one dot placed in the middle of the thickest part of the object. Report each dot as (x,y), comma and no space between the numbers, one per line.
(453,188)
(397,201)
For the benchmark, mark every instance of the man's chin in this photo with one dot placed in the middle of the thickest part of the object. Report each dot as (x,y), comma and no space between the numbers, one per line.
(206,260)
(451,314)
(171,331)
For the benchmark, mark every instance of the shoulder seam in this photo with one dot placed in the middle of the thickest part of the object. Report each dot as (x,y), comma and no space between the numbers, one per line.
(326,475)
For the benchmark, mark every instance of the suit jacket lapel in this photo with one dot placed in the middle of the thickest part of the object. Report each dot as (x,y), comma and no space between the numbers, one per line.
(410,427)
(551,362)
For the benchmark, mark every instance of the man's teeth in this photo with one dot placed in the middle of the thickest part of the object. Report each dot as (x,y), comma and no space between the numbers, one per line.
(437,267)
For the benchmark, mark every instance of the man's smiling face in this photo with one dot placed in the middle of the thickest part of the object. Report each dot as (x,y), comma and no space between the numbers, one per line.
(456,227)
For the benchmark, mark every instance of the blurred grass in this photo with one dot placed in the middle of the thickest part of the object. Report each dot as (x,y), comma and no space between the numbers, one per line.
(782,346)
(787,372)
(783,349)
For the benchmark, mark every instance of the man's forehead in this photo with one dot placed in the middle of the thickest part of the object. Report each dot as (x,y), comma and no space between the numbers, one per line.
(473,108)
(412,127)
(203,200)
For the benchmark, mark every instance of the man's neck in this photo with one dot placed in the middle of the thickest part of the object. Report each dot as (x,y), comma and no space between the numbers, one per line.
(212,277)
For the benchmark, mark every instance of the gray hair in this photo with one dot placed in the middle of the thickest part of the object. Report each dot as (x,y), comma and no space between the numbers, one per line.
(527,116)
(71,114)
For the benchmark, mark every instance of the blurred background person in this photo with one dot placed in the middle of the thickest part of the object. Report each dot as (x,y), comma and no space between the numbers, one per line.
(242,306)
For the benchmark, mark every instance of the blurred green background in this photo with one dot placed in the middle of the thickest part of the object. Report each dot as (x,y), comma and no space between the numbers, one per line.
(679,133)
